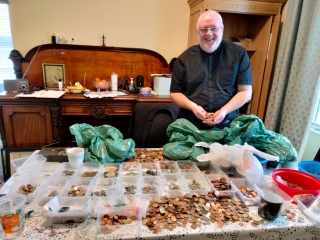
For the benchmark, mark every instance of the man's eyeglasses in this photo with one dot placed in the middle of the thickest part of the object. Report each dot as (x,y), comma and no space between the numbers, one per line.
(212,29)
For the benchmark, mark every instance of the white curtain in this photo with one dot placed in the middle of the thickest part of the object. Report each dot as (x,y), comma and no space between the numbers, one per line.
(296,72)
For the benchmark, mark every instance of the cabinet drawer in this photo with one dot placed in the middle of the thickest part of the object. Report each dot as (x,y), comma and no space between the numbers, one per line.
(98,110)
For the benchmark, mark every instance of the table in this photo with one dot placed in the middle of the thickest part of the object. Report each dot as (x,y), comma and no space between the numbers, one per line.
(298,227)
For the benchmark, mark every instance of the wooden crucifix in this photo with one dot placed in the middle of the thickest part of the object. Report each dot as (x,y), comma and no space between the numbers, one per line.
(103,41)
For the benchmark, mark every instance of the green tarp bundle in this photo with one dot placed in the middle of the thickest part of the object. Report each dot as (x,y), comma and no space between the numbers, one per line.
(244,129)
(104,144)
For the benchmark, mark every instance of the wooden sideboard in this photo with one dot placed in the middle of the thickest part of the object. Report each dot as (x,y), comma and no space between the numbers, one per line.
(30,123)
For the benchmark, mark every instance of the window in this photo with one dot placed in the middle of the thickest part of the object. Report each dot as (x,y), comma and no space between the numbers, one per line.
(316,118)
(6,65)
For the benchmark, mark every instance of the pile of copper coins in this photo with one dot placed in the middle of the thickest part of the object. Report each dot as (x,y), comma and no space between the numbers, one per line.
(117,220)
(221,184)
(169,213)
(148,155)
(248,192)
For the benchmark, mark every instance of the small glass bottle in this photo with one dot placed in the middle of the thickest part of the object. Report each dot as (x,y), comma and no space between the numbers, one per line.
(131,86)
(60,85)
(114,82)
(73,41)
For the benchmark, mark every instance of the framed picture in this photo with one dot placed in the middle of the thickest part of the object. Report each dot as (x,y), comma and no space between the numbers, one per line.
(52,73)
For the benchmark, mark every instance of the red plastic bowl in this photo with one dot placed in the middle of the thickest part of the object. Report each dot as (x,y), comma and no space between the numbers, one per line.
(310,183)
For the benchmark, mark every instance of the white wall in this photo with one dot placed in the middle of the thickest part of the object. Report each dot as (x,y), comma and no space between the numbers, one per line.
(158,25)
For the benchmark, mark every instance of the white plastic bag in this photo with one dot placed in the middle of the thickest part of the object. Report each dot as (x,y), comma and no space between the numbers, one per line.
(240,157)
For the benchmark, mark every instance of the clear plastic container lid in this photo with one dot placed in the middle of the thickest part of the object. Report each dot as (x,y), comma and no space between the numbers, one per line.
(310,206)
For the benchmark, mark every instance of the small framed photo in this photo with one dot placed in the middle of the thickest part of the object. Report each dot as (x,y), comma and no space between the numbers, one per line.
(52,74)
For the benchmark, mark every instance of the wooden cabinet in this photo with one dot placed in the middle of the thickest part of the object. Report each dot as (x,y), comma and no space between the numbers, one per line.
(29,123)
(255,20)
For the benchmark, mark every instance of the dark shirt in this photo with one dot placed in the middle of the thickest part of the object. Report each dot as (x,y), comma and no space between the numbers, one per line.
(210,79)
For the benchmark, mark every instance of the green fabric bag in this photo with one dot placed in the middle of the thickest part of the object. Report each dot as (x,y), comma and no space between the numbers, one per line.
(244,129)
(103,144)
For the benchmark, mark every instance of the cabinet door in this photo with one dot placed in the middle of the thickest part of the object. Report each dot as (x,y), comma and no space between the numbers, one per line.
(27,126)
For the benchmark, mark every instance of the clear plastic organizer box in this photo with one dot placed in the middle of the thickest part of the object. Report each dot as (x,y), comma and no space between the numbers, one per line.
(78,188)
(174,185)
(187,166)
(50,188)
(310,206)
(196,183)
(249,196)
(130,185)
(89,170)
(68,209)
(65,170)
(130,169)
(219,184)
(120,222)
(168,167)
(27,186)
(151,188)
(150,169)
(109,170)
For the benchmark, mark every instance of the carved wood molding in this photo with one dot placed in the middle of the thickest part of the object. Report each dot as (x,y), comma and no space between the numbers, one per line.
(99,112)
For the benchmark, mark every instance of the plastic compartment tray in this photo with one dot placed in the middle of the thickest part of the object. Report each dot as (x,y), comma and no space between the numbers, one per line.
(263,186)
(196,183)
(130,169)
(231,172)
(221,193)
(84,188)
(187,166)
(174,185)
(130,184)
(151,188)
(310,206)
(210,169)
(150,169)
(168,167)
(65,170)
(35,182)
(243,182)
(105,187)
(89,169)
(130,227)
(77,210)
(109,170)
(49,168)
(32,164)
(50,188)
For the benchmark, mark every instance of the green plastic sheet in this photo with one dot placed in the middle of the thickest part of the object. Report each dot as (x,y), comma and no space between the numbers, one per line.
(244,129)
(103,144)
